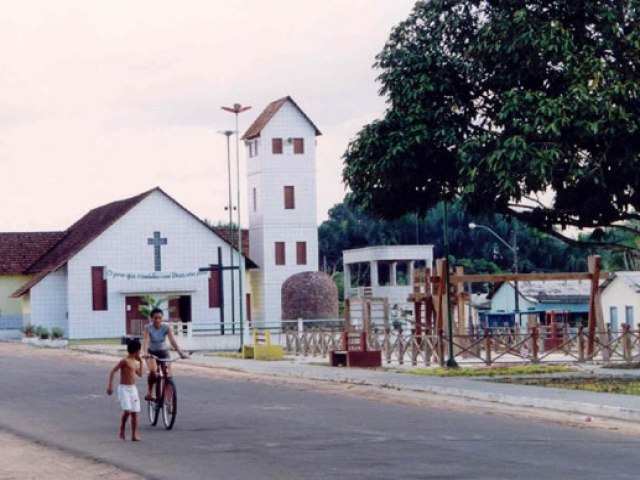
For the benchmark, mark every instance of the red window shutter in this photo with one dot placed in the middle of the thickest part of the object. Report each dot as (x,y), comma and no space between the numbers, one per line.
(280,253)
(276,146)
(298,145)
(289,197)
(98,288)
(174,309)
(301,253)
(214,288)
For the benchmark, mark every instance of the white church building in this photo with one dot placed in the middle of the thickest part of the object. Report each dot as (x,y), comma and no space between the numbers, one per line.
(91,281)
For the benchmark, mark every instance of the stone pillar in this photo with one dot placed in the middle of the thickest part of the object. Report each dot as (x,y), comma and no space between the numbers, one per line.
(347,280)
(393,271)
(373,268)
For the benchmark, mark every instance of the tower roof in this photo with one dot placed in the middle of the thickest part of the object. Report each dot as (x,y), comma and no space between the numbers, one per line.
(267,114)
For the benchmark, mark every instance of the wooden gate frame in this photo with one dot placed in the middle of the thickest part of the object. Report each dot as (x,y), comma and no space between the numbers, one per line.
(430,291)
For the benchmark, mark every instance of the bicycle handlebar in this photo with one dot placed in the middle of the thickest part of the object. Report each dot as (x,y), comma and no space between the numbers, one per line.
(168,360)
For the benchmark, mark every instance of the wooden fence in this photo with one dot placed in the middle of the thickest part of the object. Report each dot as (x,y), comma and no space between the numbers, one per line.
(488,346)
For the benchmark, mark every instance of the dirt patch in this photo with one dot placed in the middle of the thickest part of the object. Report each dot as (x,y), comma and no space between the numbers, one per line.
(24,459)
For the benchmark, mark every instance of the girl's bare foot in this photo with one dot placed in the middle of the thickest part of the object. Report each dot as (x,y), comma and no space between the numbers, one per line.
(122,434)
(135,438)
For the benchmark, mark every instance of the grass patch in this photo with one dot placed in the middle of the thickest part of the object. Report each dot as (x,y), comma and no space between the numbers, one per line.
(619,385)
(491,371)
(623,366)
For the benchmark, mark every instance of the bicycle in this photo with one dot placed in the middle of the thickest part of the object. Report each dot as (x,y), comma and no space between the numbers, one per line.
(166,396)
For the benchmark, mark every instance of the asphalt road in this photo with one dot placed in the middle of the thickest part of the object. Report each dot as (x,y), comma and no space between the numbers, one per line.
(238,429)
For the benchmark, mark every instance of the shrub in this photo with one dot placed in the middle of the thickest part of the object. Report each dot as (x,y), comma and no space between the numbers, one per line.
(28,330)
(57,332)
(42,332)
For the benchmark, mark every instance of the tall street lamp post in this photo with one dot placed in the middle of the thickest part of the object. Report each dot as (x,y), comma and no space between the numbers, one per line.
(228,133)
(514,250)
(237,109)
(451,362)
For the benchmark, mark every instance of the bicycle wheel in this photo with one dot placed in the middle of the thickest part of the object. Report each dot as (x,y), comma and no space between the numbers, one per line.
(153,407)
(169,404)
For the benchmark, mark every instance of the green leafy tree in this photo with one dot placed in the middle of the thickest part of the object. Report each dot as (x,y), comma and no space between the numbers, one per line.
(529,109)
(476,250)
(149,303)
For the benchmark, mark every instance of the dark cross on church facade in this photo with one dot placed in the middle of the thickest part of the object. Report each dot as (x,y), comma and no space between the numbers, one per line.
(157,242)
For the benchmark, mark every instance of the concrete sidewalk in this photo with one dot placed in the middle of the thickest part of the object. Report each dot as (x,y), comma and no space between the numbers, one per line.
(605,405)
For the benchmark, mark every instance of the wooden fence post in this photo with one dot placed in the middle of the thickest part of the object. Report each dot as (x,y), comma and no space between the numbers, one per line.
(428,350)
(414,347)
(487,347)
(581,343)
(534,344)
(386,344)
(626,343)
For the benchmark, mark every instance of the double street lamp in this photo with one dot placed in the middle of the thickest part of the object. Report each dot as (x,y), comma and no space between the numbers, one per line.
(228,133)
(514,250)
(237,109)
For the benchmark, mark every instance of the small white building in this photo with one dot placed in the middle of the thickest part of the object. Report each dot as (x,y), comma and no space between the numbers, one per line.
(620,299)
(91,282)
(384,272)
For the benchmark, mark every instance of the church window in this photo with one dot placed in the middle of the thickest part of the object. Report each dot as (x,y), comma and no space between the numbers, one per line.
(289,197)
(301,253)
(255,199)
(280,253)
(98,288)
(298,145)
(276,146)
(214,289)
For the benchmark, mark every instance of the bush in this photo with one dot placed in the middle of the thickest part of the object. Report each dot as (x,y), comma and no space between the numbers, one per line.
(29,331)
(57,332)
(42,332)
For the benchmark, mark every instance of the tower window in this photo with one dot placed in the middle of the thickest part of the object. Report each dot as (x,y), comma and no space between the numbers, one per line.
(253,148)
(276,146)
(280,253)
(289,197)
(301,253)
(255,199)
(298,145)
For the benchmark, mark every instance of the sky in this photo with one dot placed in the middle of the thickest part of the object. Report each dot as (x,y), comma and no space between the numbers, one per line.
(103,100)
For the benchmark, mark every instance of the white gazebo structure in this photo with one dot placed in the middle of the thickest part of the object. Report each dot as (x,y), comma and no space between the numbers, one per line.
(384,272)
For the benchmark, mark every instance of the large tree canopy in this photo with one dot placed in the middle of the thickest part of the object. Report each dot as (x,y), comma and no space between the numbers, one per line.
(526,108)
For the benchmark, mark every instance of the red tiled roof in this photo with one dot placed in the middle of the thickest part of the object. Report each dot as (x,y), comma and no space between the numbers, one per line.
(268,113)
(78,236)
(85,230)
(224,234)
(81,233)
(18,250)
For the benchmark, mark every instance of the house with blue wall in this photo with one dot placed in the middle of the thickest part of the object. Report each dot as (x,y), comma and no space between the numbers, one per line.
(536,300)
